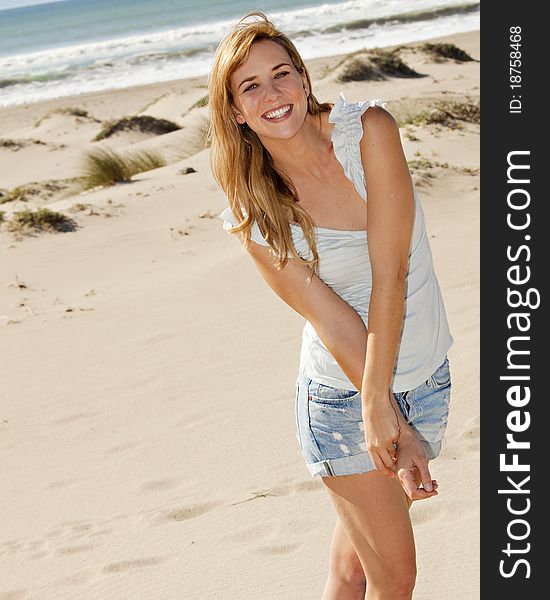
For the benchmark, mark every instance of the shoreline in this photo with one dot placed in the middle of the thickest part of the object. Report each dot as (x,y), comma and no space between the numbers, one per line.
(149,91)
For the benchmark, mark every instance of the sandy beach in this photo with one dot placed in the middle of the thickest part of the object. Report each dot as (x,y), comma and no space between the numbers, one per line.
(148,373)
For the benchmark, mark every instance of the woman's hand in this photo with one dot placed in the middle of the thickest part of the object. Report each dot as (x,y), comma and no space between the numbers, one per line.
(412,468)
(382,431)
(395,448)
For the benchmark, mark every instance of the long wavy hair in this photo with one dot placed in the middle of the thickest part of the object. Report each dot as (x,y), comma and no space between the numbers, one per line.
(256,191)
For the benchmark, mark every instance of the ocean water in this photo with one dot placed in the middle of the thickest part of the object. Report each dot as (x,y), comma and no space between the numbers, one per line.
(79,46)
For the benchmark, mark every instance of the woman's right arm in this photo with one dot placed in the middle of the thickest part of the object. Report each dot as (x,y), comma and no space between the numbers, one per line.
(338,324)
(343,332)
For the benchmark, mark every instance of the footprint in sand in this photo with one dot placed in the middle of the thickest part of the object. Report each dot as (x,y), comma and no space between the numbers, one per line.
(426,513)
(101,532)
(255,532)
(77,578)
(266,534)
(56,485)
(74,549)
(159,484)
(12,546)
(122,448)
(54,532)
(306,485)
(81,527)
(125,565)
(183,513)
(278,548)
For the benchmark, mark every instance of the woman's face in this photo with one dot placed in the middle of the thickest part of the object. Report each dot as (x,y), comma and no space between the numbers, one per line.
(269,94)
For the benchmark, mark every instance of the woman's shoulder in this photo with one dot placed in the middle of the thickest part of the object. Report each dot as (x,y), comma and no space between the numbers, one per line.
(346,114)
(347,133)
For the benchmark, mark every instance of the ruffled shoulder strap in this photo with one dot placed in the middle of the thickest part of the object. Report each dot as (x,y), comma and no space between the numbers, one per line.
(346,135)
(230,221)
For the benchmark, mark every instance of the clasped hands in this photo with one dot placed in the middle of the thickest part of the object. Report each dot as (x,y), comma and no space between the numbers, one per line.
(394,447)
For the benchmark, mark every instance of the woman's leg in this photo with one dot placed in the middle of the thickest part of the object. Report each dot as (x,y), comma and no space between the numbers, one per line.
(346,578)
(373,511)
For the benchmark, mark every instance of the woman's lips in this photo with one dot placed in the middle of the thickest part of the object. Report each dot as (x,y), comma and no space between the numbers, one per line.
(282,117)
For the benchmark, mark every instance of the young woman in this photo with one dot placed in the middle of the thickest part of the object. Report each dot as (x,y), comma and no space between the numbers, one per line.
(373,387)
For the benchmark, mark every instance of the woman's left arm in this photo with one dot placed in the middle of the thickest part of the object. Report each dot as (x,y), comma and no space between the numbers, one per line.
(390,218)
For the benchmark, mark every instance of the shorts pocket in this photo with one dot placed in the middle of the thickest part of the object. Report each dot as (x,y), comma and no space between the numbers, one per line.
(407,406)
(441,377)
(326,394)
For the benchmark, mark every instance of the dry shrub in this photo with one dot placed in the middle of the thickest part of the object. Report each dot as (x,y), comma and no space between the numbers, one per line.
(43,219)
(141,123)
(374,65)
(446,51)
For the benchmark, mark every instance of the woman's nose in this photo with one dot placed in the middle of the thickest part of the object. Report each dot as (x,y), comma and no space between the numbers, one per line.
(272,91)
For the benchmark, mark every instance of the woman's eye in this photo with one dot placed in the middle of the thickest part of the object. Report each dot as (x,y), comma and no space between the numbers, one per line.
(250,87)
(282,74)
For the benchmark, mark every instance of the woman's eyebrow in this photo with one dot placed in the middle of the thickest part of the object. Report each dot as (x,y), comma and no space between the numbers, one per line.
(284,64)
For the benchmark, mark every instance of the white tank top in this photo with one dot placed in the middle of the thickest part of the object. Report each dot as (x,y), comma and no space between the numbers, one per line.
(344,265)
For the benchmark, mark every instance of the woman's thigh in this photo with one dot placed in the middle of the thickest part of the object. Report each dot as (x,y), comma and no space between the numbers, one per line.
(375,514)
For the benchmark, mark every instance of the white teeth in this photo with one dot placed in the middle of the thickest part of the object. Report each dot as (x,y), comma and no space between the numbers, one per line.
(278,113)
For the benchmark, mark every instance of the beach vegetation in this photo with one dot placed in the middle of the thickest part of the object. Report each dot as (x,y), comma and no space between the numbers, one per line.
(446,51)
(72,111)
(390,63)
(200,103)
(11,144)
(15,145)
(141,123)
(359,69)
(45,190)
(410,136)
(79,207)
(373,65)
(42,219)
(425,163)
(446,113)
(103,166)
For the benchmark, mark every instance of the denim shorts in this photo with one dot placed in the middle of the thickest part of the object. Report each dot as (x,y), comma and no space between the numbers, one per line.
(330,430)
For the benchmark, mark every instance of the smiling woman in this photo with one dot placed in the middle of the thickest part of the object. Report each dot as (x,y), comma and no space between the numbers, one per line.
(280,81)
(373,390)
(248,98)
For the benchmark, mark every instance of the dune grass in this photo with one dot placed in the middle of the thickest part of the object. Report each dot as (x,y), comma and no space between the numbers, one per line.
(46,190)
(200,103)
(446,51)
(16,145)
(373,65)
(360,70)
(73,111)
(43,219)
(447,114)
(11,144)
(106,167)
(390,63)
(141,123)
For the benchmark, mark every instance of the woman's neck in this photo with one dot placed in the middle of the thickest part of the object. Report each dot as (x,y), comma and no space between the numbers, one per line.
(307,153)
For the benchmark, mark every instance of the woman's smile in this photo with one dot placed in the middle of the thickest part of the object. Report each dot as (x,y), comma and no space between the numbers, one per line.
(278,114)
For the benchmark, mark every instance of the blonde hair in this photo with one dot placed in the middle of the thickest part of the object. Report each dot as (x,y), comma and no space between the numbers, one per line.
(241,165)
